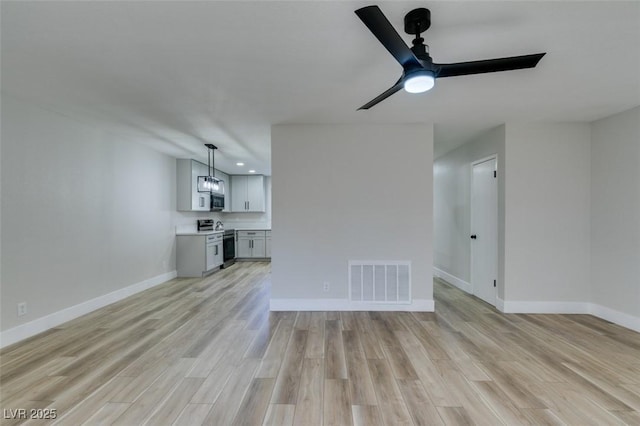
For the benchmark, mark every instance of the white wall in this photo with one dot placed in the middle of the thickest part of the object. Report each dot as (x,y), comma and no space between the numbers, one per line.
(615,213)
(547,208)
(84,212)
(452,206)
(349,192)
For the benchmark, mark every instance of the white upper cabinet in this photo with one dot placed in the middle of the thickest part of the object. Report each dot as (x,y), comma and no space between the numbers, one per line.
(188,197)
(247,193)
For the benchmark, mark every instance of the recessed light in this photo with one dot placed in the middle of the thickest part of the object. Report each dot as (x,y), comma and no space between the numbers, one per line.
(239,164)
(252,171)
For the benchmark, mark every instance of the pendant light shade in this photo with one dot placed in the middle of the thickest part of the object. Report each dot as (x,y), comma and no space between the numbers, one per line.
(209,183)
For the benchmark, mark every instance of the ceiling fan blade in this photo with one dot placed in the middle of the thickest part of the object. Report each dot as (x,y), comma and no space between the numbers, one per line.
(380,26)
(488,65)
(384,95)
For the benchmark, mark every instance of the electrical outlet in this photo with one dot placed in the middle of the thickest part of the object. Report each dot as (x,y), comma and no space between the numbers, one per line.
(325,286)
(22,309)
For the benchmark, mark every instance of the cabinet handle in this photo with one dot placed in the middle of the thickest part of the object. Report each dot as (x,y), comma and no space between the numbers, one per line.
(216,250)
(248,205)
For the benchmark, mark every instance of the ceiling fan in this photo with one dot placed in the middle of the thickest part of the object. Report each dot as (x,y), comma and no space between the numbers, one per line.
(419,70)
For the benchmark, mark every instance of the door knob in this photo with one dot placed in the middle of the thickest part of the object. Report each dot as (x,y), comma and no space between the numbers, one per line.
(473,237)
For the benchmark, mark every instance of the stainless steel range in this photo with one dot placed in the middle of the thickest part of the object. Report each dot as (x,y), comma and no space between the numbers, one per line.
(229,248)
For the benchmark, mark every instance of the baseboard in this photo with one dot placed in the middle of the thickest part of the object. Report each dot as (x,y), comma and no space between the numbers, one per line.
(21,332)
(521,307)
(419,305)
(616,317)
(453,280)
(546,307)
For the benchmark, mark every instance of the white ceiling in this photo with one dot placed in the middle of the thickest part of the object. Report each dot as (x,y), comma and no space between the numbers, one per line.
(176,75)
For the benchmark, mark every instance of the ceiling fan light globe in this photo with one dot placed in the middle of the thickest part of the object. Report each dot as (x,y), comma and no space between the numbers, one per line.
(419,82)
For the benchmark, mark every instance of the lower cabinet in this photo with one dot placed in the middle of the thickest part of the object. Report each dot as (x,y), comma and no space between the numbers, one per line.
(214,253)
(252,244)
(197,255)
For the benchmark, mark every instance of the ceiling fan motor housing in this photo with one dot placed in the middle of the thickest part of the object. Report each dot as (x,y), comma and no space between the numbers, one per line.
(417,21)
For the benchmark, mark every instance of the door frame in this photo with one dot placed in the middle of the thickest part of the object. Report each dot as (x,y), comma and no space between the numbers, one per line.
(497,168)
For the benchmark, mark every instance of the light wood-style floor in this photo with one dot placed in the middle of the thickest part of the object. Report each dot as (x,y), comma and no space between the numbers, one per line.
(208,351)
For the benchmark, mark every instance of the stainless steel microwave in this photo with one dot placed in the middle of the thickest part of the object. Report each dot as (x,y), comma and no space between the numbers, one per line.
(217,202)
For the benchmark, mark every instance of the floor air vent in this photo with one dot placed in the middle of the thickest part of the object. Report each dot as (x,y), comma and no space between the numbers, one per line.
(385,282)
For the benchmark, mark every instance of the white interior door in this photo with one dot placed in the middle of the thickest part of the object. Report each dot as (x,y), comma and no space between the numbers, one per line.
(484,229)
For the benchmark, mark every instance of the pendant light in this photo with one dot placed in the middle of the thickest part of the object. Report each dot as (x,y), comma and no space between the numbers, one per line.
(209,183)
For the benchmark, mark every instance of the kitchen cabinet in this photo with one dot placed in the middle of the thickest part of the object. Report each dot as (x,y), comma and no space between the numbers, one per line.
(188,197)
(251,244)
(247,193)
(197,255)
(213,252)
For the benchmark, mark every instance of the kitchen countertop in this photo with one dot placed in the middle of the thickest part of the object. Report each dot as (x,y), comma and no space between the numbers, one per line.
(196,233)
(193,232)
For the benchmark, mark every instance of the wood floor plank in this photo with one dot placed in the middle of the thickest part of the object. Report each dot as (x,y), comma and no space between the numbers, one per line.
(255,403)
(279,415)
(176,401)
(368,338)
(288,380)
(335,363)
(337,403)
(272,358)
(478,409)
(541,416)
(572,406)
(360,384)
(392,406)
(303,321)
(211,387)
(108,413)
(513,386)
(309,405)
(454,416)
(427,372)
(420,407)
(366,415)
(148,401)
(229,398)
(87,408)
(193,415)
(630,418)
(500,402)
(315,338)
(263,337)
